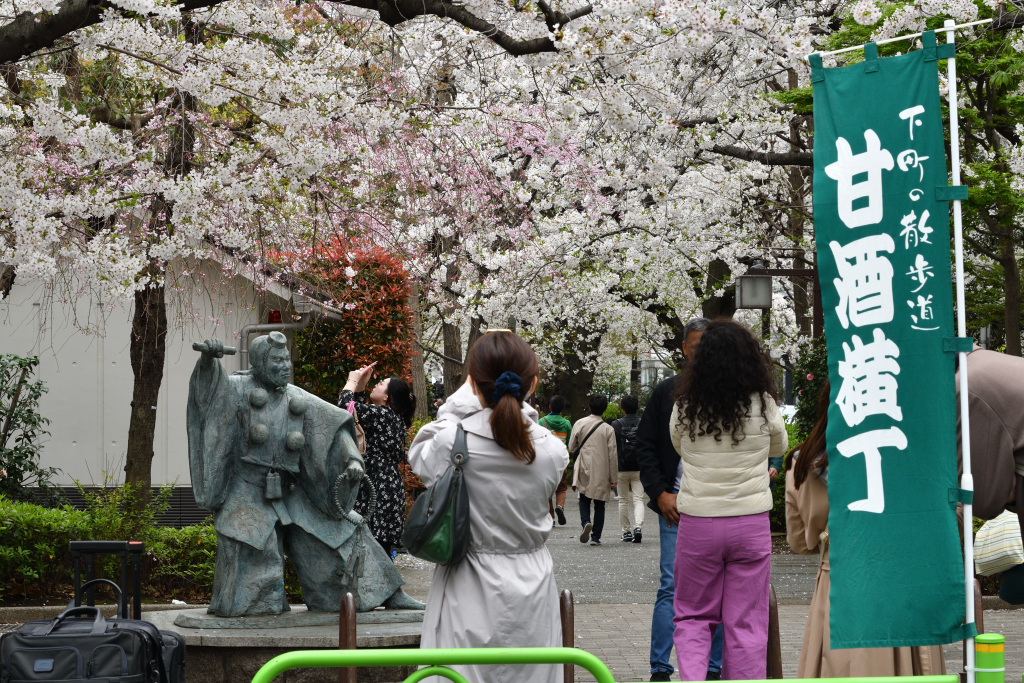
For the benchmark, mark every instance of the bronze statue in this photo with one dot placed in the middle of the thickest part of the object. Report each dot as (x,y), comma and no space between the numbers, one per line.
(280,469)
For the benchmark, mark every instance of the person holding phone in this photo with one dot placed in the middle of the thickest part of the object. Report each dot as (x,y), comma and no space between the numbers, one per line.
(385,415)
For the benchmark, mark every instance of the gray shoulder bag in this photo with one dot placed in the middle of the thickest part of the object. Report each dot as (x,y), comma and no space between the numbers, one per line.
(437,529)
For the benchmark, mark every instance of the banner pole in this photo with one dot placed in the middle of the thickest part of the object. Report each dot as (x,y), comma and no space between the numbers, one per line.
(967,481)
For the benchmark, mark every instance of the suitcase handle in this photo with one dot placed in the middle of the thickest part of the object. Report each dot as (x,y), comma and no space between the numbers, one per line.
(99,624)
(96,582)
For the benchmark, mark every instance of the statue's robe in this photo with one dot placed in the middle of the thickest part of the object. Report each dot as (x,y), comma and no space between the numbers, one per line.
(239,433)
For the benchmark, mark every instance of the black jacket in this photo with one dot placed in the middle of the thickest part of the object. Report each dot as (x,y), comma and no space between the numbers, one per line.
(659,461)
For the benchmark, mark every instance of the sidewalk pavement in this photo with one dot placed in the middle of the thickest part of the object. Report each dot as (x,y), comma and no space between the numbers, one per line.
(614,585)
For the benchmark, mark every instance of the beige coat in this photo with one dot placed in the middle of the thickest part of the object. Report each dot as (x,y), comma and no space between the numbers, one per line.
(806,521)
(725,480)
(597,465)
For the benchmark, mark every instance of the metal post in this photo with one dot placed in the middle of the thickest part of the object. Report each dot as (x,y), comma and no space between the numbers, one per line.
(967,481)
(568,613)
(347,636)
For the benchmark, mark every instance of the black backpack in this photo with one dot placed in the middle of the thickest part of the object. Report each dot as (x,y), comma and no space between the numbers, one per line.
(629,444)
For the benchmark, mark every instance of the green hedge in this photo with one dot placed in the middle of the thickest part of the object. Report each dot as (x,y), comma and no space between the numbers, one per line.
(35,555)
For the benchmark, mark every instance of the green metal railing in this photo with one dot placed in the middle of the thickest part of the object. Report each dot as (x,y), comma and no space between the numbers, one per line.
(438,659)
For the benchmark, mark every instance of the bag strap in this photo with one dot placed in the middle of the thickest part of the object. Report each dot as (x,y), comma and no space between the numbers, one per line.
(99,623)
(589,434)
(459,454)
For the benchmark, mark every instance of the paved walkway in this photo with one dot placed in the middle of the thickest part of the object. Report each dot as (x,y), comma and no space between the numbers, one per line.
(614,586)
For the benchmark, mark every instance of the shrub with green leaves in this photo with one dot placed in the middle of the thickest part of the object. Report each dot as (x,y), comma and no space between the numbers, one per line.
(22,428)
(35,554)
(808,379)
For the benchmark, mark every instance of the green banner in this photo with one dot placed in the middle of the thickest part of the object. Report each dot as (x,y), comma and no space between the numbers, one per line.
(881,221)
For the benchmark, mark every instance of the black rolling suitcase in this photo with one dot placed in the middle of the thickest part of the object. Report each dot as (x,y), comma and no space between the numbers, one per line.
(81,644)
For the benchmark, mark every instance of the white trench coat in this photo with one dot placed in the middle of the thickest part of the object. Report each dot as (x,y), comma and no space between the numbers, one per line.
(503,593)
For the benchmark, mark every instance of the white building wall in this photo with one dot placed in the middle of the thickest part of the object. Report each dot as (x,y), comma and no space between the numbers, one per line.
(89,374)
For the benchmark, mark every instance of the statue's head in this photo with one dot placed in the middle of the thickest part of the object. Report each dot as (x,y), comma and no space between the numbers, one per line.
(270,359)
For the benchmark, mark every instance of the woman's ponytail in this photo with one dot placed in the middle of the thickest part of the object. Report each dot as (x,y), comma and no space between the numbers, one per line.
(503,368)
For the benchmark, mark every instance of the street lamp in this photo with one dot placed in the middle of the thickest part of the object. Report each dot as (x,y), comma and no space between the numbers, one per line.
(754,288)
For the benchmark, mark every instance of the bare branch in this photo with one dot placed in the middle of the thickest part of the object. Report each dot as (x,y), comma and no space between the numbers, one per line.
(766,158)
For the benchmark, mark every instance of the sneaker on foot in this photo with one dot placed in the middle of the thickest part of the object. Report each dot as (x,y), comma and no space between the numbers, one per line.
(637,535)
(661,676)
(627,537)
(585,534)
(595,541)
(713,675)
(560,514)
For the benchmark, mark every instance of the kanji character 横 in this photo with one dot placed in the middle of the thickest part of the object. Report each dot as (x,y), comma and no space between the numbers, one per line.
(869,384)
(867,167)
(865,281)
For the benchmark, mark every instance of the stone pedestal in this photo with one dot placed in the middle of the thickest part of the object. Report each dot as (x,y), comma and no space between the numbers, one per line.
(234,655)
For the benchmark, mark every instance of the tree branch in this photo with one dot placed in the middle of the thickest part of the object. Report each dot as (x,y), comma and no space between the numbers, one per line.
(437,353)
(28,33)
(766,158)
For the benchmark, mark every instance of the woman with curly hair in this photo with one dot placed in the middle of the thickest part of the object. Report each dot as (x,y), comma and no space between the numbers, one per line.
(725,425)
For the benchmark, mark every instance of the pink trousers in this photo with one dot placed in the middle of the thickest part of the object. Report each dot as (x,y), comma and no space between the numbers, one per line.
(722,572)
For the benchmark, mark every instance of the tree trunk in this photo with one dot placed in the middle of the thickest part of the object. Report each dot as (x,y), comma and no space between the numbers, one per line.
(475,332)
(1012,297)
(634,376)
(6,280)
(419,375)
(452,349)
(149,319)
(723,306)
(795,219)
(148,347)
(571,379)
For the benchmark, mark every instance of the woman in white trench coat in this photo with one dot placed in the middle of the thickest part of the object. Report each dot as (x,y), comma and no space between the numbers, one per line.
(503,593)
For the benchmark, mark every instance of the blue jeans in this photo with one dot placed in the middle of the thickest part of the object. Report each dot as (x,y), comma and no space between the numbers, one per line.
(662,628)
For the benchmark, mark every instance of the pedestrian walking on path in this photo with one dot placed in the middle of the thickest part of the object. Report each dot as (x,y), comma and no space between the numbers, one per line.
(596,470)
(629,471)
(561,428)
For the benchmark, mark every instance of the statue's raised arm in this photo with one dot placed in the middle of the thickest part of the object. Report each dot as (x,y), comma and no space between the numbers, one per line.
(211,402)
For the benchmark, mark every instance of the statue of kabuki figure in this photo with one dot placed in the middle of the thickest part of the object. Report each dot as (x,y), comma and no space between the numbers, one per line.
(280,470)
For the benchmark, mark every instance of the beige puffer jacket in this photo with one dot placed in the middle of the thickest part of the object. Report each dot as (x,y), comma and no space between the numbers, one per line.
(722,480)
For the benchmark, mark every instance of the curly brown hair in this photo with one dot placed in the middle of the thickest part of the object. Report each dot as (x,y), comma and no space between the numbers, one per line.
(714,390)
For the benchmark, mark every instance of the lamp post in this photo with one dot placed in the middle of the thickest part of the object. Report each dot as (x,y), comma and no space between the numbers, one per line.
(754,290)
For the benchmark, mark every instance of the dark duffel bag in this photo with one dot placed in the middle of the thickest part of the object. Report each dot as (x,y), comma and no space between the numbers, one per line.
(82,644)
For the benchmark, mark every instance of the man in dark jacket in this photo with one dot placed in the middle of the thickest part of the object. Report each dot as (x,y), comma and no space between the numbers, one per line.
(660,474)
(629,471)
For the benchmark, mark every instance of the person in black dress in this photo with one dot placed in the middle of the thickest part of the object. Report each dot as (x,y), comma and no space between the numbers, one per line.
(385,415)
